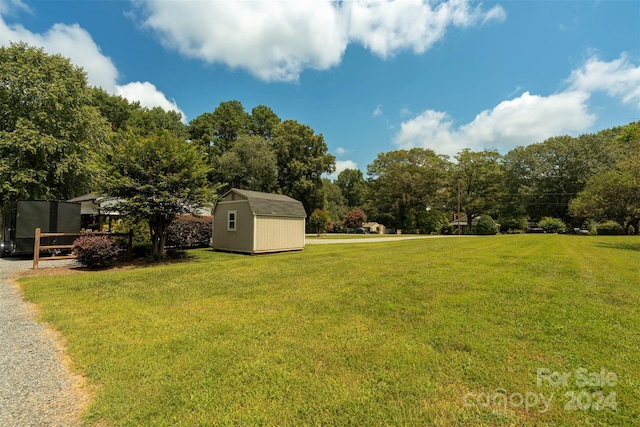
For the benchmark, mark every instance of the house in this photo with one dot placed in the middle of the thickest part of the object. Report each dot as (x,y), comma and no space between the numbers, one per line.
(374,227)
(97,213)
(254,222)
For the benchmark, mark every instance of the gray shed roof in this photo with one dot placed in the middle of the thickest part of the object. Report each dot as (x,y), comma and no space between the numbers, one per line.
(271,204)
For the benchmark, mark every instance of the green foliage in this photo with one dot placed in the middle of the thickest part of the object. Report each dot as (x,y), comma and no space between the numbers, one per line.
(433,221)
(363,334)
(319,220)
(188,231)
(512,224)
(95,251)
(541,179)
(609,228)
(156,178)
(486,226)
(613,195)
(49,134)
(249,165)
(354,218)
(481,181)
(217,131)
(352,184)
(263,121)
(302,157)
(334,202)
(552,225)
(404,184)
(140,230)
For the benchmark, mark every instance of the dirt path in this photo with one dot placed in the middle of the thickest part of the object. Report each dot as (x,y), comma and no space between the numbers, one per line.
(36,386)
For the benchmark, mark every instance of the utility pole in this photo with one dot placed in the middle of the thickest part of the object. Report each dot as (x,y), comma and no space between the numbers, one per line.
(459,231)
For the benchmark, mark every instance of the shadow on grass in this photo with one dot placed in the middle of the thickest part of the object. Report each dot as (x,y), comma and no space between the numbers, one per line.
(626,246)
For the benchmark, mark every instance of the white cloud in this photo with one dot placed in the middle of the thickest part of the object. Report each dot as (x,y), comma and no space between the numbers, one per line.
(618,78)
(340,151)
(274,40)
(378,111)
(277,40)
(148,96)
(385,27)
(519,121)
(342,165)
(71,41)
(8,7)
(528,118)
(75,43)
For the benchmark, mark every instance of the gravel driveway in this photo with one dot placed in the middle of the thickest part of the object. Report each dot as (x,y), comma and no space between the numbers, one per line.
(36,388)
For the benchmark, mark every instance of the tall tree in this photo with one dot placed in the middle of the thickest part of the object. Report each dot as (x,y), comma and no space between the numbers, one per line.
(404,184)
(302,158)
(249,165)
(156,178)
(334,202)
(49,133)
(217,131)
(612,195)
(263,121)
(480,179)
(351,183)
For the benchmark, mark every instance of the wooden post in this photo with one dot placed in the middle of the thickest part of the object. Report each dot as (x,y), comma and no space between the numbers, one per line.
(36,249)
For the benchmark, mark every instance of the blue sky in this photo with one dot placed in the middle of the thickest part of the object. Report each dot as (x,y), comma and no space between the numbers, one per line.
(371,76)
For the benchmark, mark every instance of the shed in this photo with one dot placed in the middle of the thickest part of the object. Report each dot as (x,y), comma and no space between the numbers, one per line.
(254,222)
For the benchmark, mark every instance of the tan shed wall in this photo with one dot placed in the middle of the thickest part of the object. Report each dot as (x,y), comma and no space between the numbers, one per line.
(240,240)
(275,233)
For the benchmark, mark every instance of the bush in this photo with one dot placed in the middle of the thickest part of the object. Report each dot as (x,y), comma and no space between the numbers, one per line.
(486,226)
(95,251)
(610,228)
(188,231)
(513,224)
(552,225)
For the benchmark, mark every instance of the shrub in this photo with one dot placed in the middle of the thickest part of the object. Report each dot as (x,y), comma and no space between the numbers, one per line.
(95,251)
(552,225)
(610,228)
(513,224)
(486,226)
(188,231)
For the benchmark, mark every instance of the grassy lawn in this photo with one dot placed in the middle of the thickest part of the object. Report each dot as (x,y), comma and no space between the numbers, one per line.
(417,332)
(354,235)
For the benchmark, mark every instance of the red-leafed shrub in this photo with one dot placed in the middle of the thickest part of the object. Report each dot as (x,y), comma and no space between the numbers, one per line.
(188,231)
(95,251)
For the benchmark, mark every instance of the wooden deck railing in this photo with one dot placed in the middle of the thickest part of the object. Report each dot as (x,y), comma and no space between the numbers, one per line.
(38,247)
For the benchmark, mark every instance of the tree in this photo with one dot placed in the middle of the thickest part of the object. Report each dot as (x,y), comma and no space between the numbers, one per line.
(155,178)
(541,179)
(480,177)
(302,158)
(263,121)
(354,218)
(612,195)
(249,165)
(404,184)
(319,220)
(217,131)
(49,133)
(333,201)
(352,184)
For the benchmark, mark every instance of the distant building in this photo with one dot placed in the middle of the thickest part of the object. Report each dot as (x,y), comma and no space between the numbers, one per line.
(374,227)
(254,222)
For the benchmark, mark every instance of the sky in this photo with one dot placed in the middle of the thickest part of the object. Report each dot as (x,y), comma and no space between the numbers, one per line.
(370,76)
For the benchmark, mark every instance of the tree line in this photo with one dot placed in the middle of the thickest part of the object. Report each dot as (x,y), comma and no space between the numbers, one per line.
(60,138)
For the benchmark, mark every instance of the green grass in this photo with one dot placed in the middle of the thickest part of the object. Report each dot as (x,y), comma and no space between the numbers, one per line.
(396,333)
